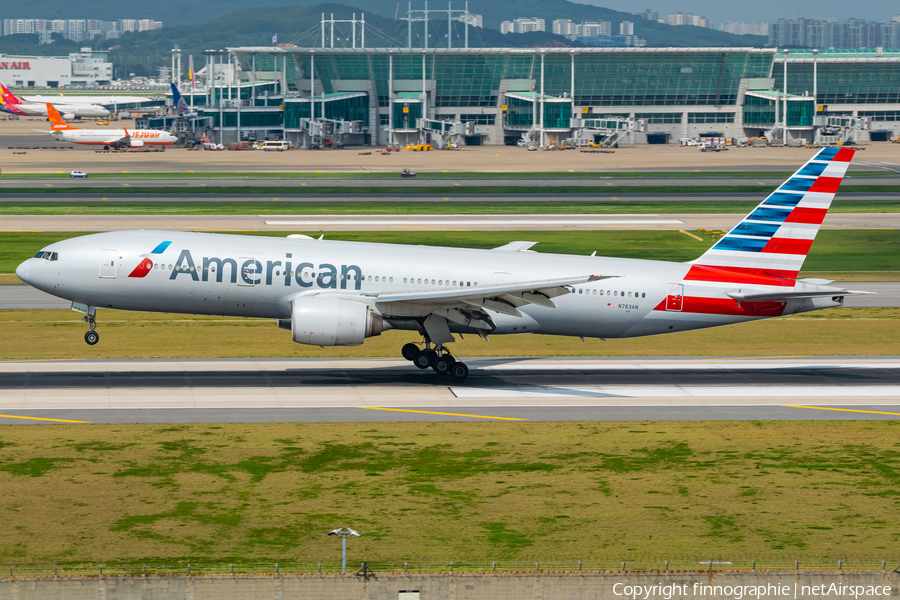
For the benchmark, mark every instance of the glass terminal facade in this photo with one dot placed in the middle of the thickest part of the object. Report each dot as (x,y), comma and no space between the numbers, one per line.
(503,92)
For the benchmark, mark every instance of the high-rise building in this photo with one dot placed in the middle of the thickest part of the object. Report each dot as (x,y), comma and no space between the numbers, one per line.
(681,18)
(626,28)
(650,15)
(523,25)
(473,19)
(595,28)
(565,27)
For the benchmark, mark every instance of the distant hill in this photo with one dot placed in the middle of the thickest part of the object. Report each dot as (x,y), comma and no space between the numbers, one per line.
(143,53)
(179,12)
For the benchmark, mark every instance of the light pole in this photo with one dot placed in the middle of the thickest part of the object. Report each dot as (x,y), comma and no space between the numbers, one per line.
(785,115)
(340,531)
(815,54)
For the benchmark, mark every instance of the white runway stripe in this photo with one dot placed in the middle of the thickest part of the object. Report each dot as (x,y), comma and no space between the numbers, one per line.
(701,365)
(480,222)
(676,391)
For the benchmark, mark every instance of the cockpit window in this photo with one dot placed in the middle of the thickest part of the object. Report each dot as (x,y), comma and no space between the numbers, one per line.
(47,255)
(39,254)
(54,256)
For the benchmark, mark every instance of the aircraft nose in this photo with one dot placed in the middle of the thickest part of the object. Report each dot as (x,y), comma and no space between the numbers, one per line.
(22,271)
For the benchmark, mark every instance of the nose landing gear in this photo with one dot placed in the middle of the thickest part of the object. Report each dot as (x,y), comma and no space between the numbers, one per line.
(91,337)
(439,359)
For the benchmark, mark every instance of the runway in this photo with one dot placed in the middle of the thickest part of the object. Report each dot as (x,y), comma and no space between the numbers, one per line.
(25,297)
(540,389)
(453,222)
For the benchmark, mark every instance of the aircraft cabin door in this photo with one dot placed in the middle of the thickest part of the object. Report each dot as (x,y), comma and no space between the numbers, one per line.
(501,278)
(675,297)
(251,270)
(108,260)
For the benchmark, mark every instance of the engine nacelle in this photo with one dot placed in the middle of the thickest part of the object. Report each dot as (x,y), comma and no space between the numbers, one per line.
(326,321)
(68,116)
(136,143)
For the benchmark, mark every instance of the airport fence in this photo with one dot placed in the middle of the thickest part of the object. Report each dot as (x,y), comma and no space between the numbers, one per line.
(306,567)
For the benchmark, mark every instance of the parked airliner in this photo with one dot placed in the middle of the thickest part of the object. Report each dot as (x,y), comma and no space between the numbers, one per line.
(108,138)
(331,293)
(14,105)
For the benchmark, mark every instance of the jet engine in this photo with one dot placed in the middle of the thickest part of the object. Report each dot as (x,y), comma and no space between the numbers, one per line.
(68,116)
(326,321)
(135,143)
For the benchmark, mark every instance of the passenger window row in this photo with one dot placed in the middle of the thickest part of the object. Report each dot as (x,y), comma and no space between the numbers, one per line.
(611,293)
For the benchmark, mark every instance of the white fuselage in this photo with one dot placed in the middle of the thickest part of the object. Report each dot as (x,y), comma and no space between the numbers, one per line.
(249,276)
(102,137)
(67,110)
(104,100)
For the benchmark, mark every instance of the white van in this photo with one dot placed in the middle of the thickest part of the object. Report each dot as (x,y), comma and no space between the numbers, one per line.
(279,146)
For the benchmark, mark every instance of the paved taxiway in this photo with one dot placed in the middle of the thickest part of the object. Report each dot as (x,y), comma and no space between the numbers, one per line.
(547,389)
(452,222)
(24,297)
(418,183)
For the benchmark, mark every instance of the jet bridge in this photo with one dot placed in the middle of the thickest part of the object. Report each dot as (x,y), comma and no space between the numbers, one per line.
(607,131)
(446,133)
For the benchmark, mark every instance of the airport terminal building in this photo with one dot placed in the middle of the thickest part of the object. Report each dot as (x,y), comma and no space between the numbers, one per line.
(495,96)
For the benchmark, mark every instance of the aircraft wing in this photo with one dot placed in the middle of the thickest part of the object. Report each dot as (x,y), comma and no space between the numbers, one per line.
(117,140)
(502,297)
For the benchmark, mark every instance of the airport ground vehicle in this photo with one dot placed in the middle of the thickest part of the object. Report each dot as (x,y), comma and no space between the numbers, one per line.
(406,174)
(78,174)
(276,146)
(336,293)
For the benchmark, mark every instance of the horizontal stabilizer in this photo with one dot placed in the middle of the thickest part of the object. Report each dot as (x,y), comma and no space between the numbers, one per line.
(801,290)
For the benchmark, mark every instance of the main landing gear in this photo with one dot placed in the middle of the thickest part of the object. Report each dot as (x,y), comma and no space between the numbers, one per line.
(91,337)
(439,359)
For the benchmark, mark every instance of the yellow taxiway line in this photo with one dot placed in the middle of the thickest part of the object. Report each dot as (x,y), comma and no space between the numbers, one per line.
(40,419)
(428,412)
(873,412)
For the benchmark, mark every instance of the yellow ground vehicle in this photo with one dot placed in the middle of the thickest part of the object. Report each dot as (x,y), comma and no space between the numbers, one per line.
(419,147)
(101,123)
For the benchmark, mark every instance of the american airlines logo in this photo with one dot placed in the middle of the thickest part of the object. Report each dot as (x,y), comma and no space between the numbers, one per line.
(15,65)
(252,272)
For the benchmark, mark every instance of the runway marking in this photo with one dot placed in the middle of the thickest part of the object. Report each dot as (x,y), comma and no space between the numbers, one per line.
(874,412)
(219,229)
(479,222)
(428,412)
(696,237)
(429,229)
(48,185)
(126,185)
(23,230)
(688,393)
(41,419)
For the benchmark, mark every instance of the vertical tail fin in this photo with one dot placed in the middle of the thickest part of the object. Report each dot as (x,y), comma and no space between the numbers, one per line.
(773,240)
(181,107)
(8,96)
(58,124)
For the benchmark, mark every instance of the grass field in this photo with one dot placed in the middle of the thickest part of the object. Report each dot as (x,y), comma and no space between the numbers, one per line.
(239,206)
(808,491)
(845,250)
(401,190)
(57,334)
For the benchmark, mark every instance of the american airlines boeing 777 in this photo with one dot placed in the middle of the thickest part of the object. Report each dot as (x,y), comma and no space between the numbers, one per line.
(331,293)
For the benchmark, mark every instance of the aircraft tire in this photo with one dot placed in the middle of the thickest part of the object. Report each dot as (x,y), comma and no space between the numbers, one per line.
(91,337)
(424,359)
(409,351)
(442,366)
(459,371)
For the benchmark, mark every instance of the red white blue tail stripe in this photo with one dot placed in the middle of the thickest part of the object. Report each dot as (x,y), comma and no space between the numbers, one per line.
(771,243)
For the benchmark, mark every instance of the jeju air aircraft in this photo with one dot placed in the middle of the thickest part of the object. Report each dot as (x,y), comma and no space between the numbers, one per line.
(108,138)
(333,293)
(69,109)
